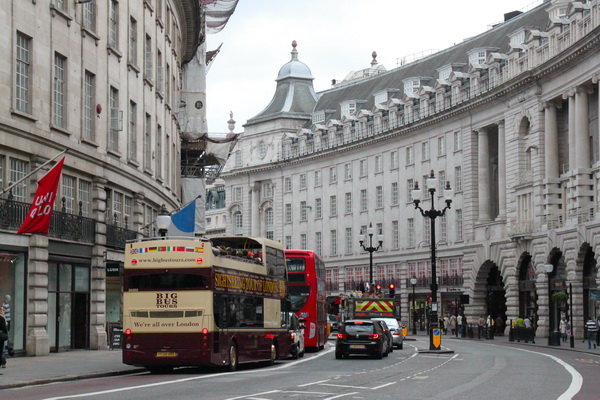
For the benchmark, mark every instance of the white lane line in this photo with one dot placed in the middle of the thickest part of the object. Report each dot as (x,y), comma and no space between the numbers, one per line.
(341,395)
(256,394)
(192,378)
(344,386)
(314,383)
(384,385)
(576,378)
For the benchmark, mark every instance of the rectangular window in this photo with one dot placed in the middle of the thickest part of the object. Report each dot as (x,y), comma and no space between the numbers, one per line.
(441,182)
(441,146)
(379,197)
(267,192)
(319,243)
(132,152)
(333,206)
(117,208)
(411,232)
(457,141)
(158,151)
(113,139)
(287,184)
(237,194)
(349,240)
(409,156)
(148,142)
(425,151)
(148,65)
(348,203)
(333,175)
(288,213)
(333,243)
(347,171)
(363,200)
(395,235)
(84,195)
(89,103)
(238,223)
(160,73)
(89,16)
(133,41)
(318,179)
(410,185)
(302,181)
(17,171)
(22,74)
(288,242)
(68,193)
(303,213)
(113,24)
(443,228)
(60,4)
(318,208)
(394,162)
(59,91)
(459,225)
(458,179)
(378,164)
(394,198)
(303,241)
(363,170)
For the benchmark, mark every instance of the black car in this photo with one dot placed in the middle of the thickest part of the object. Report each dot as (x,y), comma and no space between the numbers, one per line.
(388,333)
(361,337)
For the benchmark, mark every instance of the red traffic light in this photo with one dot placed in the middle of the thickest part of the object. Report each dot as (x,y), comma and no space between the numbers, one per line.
(392,286)
(378,287)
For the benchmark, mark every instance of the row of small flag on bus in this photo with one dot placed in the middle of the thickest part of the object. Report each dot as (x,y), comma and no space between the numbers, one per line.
(166,248)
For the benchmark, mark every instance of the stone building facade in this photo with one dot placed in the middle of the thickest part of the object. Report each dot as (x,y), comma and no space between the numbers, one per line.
(101,79)
(508,117)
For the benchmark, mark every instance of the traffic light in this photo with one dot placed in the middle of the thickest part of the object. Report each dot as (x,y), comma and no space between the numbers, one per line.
(392,290)
(378,289)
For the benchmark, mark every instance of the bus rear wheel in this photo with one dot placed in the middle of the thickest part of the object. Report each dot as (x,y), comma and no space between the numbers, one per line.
(233,358)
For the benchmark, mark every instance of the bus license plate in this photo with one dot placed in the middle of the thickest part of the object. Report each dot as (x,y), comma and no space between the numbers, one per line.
(166,354)
(357,346)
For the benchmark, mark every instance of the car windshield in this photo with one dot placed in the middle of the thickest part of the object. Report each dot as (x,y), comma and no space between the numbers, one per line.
(359,329)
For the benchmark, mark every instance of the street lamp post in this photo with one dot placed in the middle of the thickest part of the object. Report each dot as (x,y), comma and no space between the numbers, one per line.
(413,282)
(570,319)
(434,339)
(163,221)
(370,249)
(549,268)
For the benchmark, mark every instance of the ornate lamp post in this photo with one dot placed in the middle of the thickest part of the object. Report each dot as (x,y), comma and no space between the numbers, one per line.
(163,221)
(432,214)
(413,282)
(370,249)
(548,268)
(570,319)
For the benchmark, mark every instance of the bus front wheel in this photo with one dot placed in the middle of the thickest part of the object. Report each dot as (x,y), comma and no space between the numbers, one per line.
(233,358)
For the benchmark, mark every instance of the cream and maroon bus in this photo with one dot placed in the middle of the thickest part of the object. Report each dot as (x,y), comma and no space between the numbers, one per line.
(195,302)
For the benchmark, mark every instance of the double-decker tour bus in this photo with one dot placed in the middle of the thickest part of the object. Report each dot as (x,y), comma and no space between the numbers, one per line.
(194,302)
(308,295)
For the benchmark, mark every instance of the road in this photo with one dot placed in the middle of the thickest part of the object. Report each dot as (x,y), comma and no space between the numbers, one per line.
(476,370)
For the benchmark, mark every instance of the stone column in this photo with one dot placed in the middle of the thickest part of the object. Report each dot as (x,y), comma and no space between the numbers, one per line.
(511,287)
(551,162)
(98,337)
(582,134)
(37,342)
(255,209)
(572,138)
(502,189)
(484,175)
(405,289)
(541,286)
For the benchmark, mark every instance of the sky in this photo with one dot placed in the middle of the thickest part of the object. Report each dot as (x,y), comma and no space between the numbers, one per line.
(334,37)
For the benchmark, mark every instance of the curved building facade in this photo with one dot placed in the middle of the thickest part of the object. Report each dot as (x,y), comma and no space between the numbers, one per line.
(508,117)
(102,80)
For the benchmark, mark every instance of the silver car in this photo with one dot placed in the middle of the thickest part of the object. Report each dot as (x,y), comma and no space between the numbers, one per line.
(397,337)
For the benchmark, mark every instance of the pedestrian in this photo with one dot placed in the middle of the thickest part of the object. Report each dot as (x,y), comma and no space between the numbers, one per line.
(459,324)
(499,326)
(453,324)
(465,327)
(3,337)
(6,308)
(446,324)
(592,329)
(480,325)
(562,326)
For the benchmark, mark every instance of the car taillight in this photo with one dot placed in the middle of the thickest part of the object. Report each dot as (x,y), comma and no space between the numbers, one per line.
(342,335)
(374,336)
(292,335)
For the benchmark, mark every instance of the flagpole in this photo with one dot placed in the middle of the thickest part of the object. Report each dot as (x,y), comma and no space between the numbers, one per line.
(33,172)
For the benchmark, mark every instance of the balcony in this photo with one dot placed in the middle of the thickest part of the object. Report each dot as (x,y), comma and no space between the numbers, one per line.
(117,235)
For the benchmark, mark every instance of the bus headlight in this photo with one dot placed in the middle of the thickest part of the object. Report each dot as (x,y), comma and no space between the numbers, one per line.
(128,346)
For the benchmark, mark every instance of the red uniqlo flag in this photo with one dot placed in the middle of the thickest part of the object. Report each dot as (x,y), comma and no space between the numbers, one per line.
(40,212)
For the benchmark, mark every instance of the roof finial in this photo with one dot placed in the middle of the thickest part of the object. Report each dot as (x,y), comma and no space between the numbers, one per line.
(294,51)
(231,122)
(374,61)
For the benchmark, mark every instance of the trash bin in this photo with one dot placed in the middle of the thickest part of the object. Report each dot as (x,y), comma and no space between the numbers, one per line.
(555,338)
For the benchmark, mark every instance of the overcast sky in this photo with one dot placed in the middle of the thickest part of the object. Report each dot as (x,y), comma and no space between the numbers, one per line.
(334,37)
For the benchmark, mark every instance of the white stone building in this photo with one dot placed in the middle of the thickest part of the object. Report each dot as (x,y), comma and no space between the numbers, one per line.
(509,117)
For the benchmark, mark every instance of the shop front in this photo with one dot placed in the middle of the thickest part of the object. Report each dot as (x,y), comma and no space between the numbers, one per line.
(12,294)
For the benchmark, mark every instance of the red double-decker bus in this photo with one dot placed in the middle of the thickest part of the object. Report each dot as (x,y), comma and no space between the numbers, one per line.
(308,296)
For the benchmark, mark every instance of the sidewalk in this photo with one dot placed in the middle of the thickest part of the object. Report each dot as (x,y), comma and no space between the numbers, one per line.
(85,364)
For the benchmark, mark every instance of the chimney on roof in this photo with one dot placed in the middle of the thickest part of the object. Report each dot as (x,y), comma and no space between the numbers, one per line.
(510,15)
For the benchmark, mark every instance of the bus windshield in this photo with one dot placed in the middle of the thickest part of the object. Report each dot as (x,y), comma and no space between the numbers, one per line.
(299,296)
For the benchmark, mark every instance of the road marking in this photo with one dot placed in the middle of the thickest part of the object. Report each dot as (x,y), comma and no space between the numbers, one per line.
(313,383)
(344,386)
(420,377)
(576,381)
(381,386)
(340,395)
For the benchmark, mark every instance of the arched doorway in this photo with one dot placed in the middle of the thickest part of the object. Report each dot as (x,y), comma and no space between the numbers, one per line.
(591,294)
(527,294)
(495,294)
